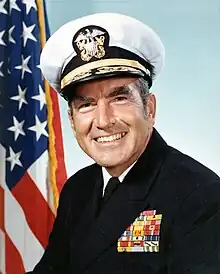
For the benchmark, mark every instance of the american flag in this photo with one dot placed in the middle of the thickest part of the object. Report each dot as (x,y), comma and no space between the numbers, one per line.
(30,138)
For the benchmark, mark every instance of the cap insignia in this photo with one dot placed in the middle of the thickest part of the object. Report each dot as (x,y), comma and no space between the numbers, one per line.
(89,42)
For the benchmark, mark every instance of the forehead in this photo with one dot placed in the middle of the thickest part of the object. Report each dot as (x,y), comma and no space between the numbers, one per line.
(103,86)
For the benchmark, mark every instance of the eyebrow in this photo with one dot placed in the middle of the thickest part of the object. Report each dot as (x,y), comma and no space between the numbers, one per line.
(123,90)
(81,98)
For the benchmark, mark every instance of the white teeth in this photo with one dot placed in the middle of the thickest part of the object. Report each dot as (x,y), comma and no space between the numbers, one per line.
(110,138)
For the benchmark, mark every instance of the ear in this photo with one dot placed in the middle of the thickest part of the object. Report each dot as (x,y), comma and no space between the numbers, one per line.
(151,107)
(70,115)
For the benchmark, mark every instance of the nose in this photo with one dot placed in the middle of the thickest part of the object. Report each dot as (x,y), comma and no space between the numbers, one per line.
(104,116)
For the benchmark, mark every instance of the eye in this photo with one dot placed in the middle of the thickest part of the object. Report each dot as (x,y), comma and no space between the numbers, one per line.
(86,105)
(120,98)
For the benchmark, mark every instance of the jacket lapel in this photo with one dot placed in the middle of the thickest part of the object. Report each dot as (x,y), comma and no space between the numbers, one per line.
(92,195)
(125,204)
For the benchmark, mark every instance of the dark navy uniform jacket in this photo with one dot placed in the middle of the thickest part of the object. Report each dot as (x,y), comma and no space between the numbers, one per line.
(187,194)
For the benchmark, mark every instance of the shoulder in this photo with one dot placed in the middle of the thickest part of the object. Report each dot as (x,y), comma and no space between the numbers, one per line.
(80,179)
(84,173)
(192,182)
(184,166)
(195,187)
(76,192)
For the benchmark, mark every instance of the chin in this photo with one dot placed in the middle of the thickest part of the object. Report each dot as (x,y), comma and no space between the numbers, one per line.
(111,162)
(106,163)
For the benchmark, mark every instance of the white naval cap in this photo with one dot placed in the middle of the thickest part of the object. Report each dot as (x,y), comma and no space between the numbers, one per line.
(98,46)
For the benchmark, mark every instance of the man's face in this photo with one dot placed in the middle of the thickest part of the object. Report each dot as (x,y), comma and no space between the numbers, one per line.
(111,123)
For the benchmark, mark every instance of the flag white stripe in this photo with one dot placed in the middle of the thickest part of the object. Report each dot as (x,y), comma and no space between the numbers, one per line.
(17,228)
(19,232)
(2,252)
(38,172)
(2,165)
(2,234)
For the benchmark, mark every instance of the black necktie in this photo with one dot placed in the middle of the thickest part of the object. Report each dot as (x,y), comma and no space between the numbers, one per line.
(110,188)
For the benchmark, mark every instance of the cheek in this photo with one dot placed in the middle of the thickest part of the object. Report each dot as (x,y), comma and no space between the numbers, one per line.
(82,125)
(136,116)
(141,124)
(130,111)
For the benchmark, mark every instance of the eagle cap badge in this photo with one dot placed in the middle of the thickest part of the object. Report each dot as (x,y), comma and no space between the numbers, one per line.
(91,42)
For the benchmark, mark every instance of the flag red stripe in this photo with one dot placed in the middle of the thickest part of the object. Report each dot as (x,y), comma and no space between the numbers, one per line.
(2,226)
(37,211)
(61,169)
(2,209)
(14,264)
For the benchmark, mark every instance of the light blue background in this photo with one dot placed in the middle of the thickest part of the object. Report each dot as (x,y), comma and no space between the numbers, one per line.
(188,90)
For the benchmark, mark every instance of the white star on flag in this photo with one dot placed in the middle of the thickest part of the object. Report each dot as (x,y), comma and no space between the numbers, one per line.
(2,9)
(1,74)
(27,33)
(13,5)
(20,97)
(39,128)
(24,67)
(29,4)
(17,128)
(10,38)
(41,97)
(14,158)
(1,38)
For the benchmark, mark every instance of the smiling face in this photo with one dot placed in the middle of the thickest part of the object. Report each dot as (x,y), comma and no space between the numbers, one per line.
(111,123)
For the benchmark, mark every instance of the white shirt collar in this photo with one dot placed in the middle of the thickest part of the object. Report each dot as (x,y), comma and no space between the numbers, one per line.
(107,176)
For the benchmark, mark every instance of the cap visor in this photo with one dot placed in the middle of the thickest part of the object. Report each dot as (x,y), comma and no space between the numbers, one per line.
(68,90)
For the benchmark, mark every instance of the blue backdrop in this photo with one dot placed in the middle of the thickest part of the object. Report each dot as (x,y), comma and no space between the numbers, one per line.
(188,90)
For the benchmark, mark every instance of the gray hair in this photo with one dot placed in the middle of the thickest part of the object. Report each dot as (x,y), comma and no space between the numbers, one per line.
(142,85)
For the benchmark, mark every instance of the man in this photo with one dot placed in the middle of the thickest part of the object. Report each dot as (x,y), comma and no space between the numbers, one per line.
(143,207)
